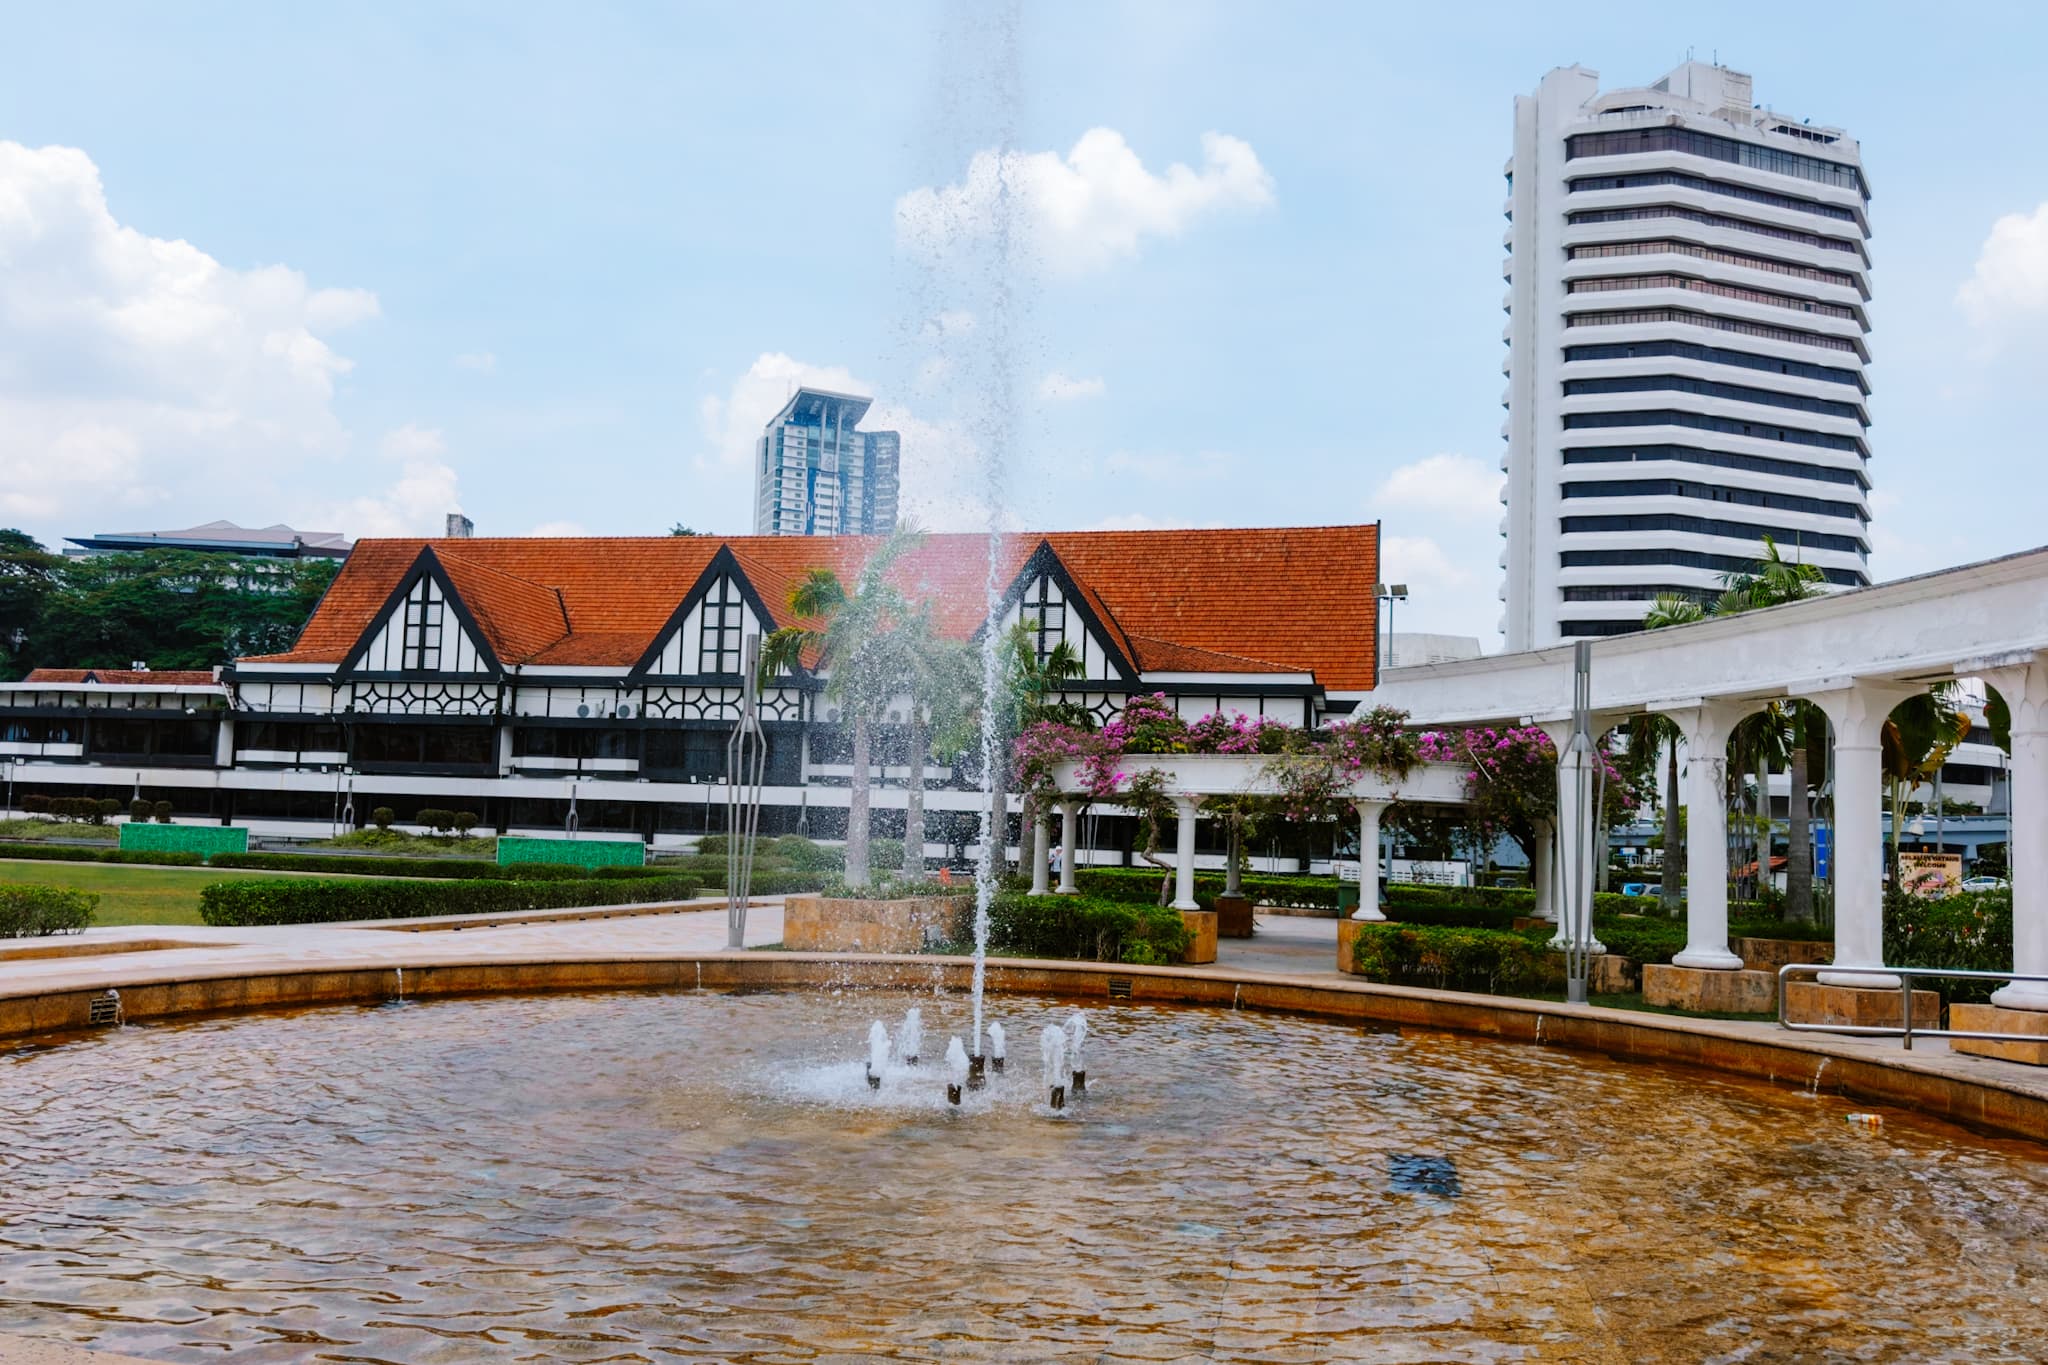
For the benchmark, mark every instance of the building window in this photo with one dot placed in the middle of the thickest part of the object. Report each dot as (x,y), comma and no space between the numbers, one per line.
(1715,355)
(718,631)
(1606,283)
(1689,559)
(1666,247)
(1761,431)
(1793,539)
(1746,193)
(1045,616)
(1691,142)
(1713,220)
(1742,326)
(1719,459)
(1707,388)
(422,644)
(1711,492)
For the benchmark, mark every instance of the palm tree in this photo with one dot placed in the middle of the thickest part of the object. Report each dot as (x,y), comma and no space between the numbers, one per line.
(854,637)
(1655,732)
(1775,580)
(1919,735)
(1032,691)
(939,674)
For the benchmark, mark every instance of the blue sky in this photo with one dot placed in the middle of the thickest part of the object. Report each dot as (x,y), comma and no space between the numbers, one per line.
(350,267)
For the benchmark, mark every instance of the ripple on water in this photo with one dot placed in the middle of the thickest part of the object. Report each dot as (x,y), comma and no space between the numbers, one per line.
(639,1177)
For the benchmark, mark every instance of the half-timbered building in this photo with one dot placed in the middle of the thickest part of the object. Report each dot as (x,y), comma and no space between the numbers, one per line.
(523,679)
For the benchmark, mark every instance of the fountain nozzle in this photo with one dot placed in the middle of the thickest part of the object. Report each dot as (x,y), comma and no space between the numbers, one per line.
(1058,1098)
(874,1081)
(977,1072)
(953,1095)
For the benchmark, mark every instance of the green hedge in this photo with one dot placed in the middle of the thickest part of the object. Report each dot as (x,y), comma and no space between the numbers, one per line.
(1971,931)
(1087,927)
(1447,957)
(71,853)
(309,901)
(1140,886)
(467,869)
(32,911)
(800,854)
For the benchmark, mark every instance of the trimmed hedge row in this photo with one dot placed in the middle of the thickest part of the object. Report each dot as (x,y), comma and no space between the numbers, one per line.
(307,901)
(1140,885)
(34,911)
(72,853)
(1087,927)
(466,869)
(1449,958)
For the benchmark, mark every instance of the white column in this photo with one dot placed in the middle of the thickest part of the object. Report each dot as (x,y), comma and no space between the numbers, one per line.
(2025,689)
(1706,728)
(1369,859)
(224,743)
(1858,713)
(1070,813)
(1543,871)
(1041,848)
(1184,858)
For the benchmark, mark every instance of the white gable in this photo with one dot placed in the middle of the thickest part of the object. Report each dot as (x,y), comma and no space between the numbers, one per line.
(1049,618)
(711,636)
(423,633)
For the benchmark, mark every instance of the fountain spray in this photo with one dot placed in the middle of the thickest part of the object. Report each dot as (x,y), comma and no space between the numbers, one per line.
(878,1053)
(910,1037)
(996,1044)
(1052,1050)
(956,1069)
(1077,1035)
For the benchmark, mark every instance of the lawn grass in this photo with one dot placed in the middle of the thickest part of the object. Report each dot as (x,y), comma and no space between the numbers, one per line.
(130,894)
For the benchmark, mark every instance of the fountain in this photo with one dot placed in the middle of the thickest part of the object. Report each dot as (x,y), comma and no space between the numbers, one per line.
(996,1043)
(1052,1049)
(910,1037)
(1077,1034)
(878,1053)
(956,1070)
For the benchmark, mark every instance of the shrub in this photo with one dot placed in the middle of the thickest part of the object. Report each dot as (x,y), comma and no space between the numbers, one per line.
(1641,940)
(163,812)
(1087,927)
(307,901)
(715,845)
(29,911)
(1971,931)
(35,805)
(802,855)
(140,810)
(382,817)
(452,869)
(434,818)
(464,822)
(69,853)
(1445,957)
(885,855)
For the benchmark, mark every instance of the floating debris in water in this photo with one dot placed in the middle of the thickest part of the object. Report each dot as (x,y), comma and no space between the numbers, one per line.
(1411,1173)
(1865,1120)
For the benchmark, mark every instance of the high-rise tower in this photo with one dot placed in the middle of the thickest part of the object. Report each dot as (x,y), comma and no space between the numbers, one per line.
(1688,280)
(817,476)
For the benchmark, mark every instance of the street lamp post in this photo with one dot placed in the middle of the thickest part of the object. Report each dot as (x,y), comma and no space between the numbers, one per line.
(1388,593)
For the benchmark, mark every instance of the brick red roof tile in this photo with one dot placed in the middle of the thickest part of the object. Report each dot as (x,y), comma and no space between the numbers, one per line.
(124,677)
(1293,599)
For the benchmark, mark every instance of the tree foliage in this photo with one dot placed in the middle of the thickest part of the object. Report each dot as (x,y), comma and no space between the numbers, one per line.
(163,608)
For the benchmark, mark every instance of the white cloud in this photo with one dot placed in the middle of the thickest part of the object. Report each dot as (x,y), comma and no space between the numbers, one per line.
(1456,486)
(479,362)
(1086,210)
(1420,562)
(135,367)
(1061,388)
(733,422)
(415,503)
(2010,283)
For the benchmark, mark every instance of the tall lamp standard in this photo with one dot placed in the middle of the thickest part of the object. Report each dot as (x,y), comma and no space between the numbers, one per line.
(1389,593)
(7,812)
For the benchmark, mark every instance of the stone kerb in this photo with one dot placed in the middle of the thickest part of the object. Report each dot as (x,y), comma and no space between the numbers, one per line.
(830,924)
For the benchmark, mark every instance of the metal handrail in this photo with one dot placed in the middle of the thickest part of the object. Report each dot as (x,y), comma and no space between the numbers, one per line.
(1905,1032)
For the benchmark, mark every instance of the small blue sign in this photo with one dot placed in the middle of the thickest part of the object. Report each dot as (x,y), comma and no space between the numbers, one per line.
(1823,850)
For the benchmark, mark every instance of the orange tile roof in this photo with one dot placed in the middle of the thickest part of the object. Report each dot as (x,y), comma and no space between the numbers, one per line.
(1289,599)
(124,677)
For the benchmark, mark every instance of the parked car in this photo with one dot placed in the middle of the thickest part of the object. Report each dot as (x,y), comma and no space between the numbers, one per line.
(1641,889)
(1985,884)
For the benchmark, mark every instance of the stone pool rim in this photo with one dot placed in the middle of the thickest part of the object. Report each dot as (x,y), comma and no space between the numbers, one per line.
(1993,1104)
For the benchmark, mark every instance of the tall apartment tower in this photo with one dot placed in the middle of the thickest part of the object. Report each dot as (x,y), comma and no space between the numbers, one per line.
(818,476)
(1688,279)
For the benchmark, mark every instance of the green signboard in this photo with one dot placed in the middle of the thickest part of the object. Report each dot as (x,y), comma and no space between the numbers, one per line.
(205,840)
(579,852)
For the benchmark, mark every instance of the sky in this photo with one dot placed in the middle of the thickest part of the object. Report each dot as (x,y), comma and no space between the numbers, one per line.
(1104,265)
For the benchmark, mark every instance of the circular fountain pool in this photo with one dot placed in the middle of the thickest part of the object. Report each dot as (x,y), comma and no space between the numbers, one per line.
(700,1176)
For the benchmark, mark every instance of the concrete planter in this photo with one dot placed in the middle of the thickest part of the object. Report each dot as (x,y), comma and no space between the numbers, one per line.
(1233,916)
(824,924)
(1769,954)
(1201,936)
